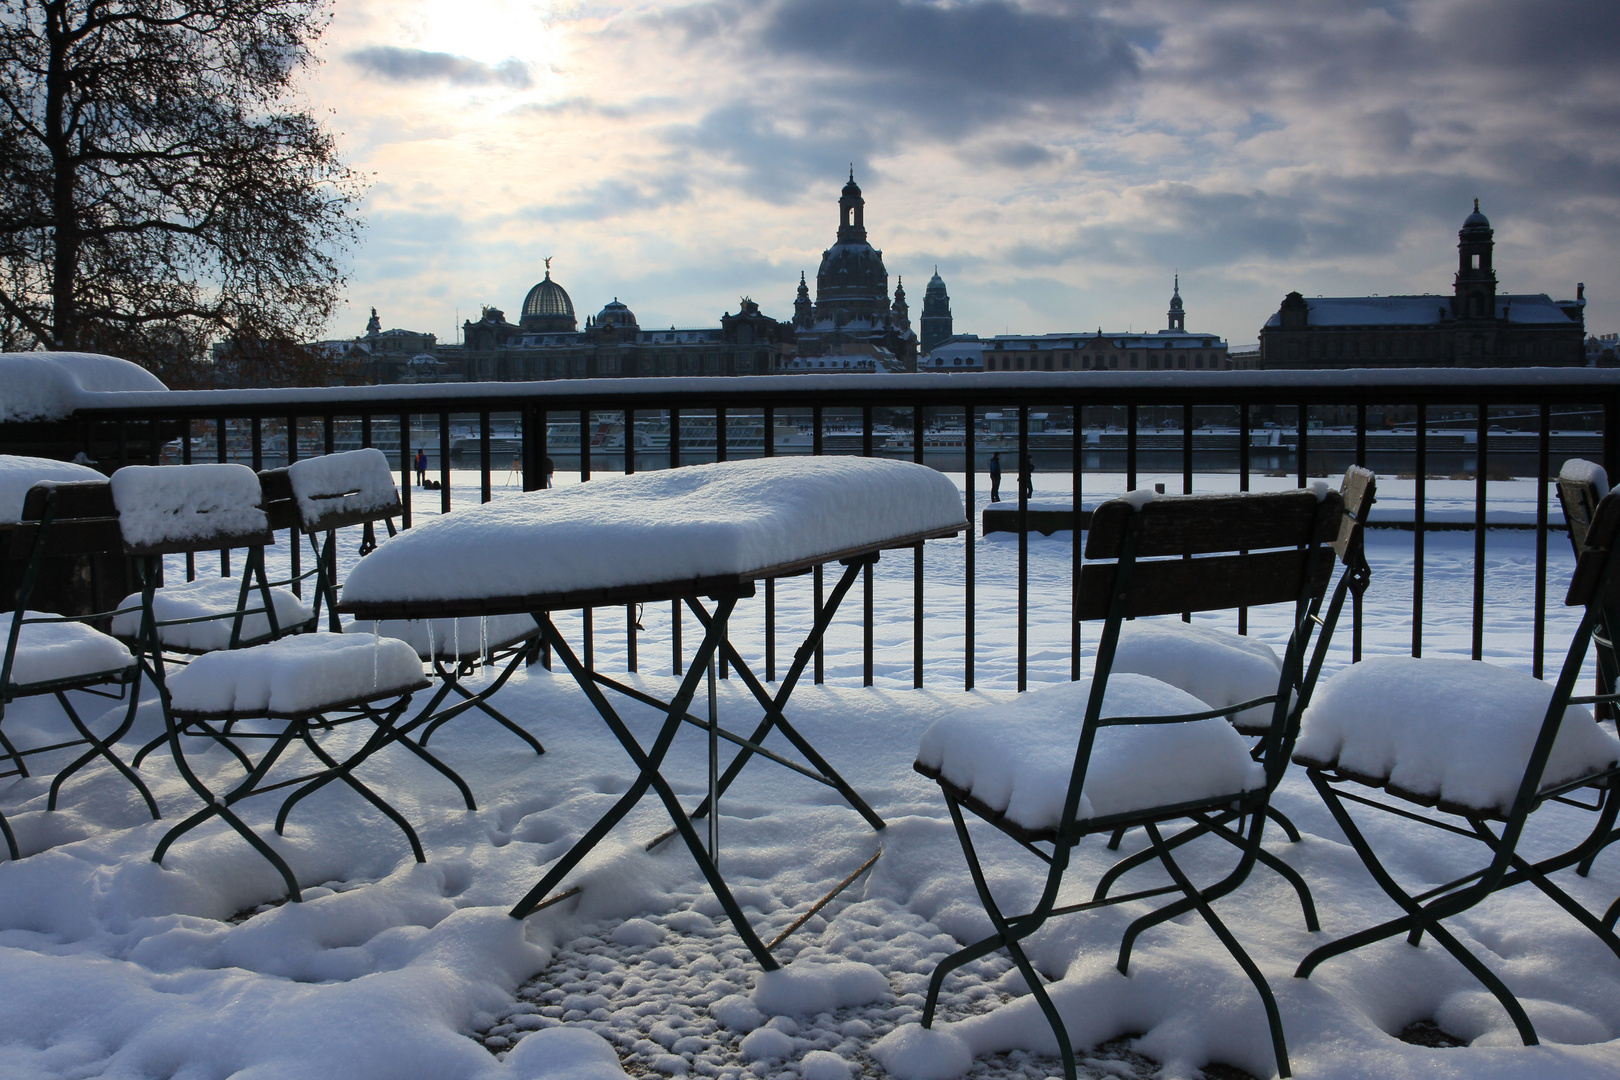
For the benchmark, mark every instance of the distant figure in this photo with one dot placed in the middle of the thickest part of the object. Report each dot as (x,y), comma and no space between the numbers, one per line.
(421,468)
(1026,479)
(995,477)
(550,468)
(516,470)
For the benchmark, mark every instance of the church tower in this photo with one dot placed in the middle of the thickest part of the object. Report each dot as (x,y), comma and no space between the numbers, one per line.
(900,312)
(1476,281)
(1177,314)
(935,323)
(852,285)
(804,312)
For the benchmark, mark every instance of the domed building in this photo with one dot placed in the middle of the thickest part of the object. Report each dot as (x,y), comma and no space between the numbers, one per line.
(852,313)
(547,342)
(936,322)
(548,309)
(1475,326)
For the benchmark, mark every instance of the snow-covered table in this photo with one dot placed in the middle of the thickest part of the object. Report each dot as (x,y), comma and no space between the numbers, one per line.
(705,532)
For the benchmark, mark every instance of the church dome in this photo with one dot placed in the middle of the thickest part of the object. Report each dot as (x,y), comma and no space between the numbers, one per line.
(548,298)
(616,314)
(1476,220)
(936,284)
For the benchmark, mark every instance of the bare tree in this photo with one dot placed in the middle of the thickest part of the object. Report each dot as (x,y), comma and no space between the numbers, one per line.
(159,185)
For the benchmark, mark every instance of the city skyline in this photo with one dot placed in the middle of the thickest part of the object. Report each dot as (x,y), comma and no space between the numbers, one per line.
(1058,162)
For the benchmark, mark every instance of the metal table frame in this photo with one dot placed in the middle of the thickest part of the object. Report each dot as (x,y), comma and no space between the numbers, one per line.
(722,592)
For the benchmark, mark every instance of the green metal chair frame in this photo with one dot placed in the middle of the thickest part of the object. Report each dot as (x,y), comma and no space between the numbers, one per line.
(66,519)
(1169,555)
(1595,587)
(1358,491)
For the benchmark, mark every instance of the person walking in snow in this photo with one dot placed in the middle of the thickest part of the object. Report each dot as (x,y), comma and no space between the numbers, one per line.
(995,477)
(421,467)
(1026,479)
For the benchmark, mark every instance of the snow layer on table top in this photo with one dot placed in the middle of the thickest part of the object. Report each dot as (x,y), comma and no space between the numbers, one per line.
(1017,757)
(1214,666)
(361,477)
(1457,730)
(204,597)
(1582,471)
(457,639)
(294,674)
(18,474)
(49,386)
(733,517)
(63,650)
(162,504)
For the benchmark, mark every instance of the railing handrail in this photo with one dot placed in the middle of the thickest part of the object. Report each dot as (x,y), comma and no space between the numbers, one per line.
(1360,386)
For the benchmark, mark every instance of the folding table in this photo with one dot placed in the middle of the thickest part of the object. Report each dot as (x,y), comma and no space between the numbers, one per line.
(701,533)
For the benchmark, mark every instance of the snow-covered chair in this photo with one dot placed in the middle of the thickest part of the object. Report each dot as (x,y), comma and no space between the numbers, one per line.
(53,654)
(1224,669)
(172,509)
(319,495)
(1581,485)
(1124,750)
(273,694)
(1475,742)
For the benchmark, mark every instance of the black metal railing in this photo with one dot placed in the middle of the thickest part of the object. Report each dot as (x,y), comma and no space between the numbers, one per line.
(1474,423)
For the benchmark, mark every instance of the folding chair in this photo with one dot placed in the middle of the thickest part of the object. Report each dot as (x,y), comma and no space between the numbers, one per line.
(456,649)
(295,685)
(1144,753)
(53,654)
(1581,485)
(1227,670)
(319,495)
(1474,742)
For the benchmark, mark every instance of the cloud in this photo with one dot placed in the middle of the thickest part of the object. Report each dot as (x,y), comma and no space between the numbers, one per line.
(414,65)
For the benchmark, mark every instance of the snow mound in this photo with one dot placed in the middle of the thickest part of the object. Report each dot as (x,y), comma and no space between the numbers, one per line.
(561,1053)
(49,386)
(1459,731)
(807,988)
(296,674)
(1217,668)
(205,598)
(63,650)
(167,504)
(732,517)
(1582,471)
(354,482)
(1016,757)
(18,474)
(913,1052)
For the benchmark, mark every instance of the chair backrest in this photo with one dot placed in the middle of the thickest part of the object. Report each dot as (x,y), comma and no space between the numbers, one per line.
(78,518)
(1581,486)
(1189,553)
(177,508)
(337,490)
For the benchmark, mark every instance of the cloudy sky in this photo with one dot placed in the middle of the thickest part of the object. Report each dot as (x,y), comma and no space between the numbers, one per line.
(1058,160)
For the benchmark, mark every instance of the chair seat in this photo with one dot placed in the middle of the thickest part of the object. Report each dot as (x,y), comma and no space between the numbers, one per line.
(210,598)
(1015,758)
(1216,667)
(459,639)
(1452,733)
(57,652)
(296,676)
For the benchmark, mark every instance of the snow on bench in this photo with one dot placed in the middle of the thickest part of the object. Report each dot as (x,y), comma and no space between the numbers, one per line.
(354,482)
(1016,757)
(166,504)
(727,518)
(1456,732)
(1581,471)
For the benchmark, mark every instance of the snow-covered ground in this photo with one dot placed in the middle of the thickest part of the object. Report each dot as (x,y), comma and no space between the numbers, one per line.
(117,967)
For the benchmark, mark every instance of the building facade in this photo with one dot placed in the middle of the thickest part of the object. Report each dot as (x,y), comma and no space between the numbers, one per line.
(1475,326)
(1170,349)
(853,314)
(936,324)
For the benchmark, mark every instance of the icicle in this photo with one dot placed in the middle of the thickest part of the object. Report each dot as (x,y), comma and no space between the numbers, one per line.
(432,652)
(483,638)
(456,632)
(376,653)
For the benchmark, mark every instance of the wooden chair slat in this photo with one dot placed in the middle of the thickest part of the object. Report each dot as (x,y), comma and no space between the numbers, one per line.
(279,504)
(1213,583)
(1204,524)
(78,499)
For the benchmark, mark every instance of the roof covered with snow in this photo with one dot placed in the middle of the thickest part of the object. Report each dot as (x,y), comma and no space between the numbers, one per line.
(1525,308)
